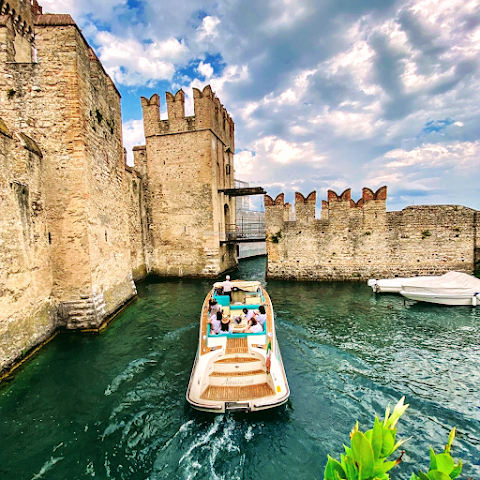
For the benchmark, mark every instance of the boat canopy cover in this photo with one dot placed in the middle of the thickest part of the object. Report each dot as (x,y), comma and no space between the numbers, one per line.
(246,286)
(450,283)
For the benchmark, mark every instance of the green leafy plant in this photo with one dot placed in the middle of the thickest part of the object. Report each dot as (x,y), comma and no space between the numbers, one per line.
(442,466)
(425,234)
(367,458)
(11,93)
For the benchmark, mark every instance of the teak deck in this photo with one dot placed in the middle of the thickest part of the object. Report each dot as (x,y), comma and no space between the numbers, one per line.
(236,345)
(237,393)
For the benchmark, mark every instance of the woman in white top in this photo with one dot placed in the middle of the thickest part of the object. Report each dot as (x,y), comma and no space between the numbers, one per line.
(215,321)
(262,316)
(254,327)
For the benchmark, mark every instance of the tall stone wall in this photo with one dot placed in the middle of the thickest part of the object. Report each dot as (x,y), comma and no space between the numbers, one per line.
(64,186)
(189,160)
(361,240)
(27,312)
(138,224)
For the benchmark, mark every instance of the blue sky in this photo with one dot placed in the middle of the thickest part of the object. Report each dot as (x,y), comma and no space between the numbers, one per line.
(324,93)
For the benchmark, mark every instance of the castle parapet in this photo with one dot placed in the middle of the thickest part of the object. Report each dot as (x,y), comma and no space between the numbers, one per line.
(305,207)
(176,108)
(209,115)
(151,115)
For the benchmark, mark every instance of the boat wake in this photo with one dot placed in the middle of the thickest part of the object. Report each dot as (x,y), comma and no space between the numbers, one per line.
(206,451)
(133,368)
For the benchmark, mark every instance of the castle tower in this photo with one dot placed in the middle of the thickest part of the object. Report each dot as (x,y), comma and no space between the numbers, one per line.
(189,165)
(57,93)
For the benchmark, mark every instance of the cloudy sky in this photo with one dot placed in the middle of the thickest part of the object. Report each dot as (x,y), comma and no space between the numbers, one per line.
(324,93)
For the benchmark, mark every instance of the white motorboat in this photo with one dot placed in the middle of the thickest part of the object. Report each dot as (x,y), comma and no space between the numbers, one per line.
(238,371)
(453,288)
(392,285)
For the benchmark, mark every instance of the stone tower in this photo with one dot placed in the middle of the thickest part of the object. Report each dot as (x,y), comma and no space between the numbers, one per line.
(70,185)
(189,168)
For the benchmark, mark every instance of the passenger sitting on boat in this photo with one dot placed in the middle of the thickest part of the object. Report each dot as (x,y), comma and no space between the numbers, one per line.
(213,307)
(225,325)
(248,314)
(215,321)
(262,316)
(254,327)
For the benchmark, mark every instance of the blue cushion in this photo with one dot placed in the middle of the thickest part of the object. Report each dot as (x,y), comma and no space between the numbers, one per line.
(223,300)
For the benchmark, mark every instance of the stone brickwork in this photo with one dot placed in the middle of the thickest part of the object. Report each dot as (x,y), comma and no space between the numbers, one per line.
(67,200)
(26,305)
(188,161)
(361,240)
(78,226)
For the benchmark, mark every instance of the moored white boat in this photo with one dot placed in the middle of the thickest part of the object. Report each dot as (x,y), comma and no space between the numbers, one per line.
(392,285)
(453,288)
(238,371)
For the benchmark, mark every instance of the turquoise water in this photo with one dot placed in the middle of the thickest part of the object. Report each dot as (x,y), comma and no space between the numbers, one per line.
(112,406)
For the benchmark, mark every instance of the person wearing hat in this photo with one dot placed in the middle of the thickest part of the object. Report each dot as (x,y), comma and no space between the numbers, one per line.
(226,325)
(227,287)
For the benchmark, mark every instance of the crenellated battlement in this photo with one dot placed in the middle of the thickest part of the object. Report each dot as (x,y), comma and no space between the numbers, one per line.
(305,209)
(23,15)
(359,240)
(210,114)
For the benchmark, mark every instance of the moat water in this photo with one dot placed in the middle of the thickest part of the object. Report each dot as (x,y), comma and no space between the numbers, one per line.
(112,406)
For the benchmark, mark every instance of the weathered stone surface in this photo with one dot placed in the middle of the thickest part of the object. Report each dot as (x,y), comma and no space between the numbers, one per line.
(77,226)
(65,245)
(357,241)
(188,159)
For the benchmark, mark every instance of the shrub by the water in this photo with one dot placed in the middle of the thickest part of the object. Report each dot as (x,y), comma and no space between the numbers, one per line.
(368,454)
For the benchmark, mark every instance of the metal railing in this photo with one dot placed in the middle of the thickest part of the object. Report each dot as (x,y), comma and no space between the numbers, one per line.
(245,231)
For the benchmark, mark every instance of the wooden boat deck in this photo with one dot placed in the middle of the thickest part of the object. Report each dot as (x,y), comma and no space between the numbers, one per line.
(236,345)
(235,394)
(204,317)
(237,374)
(237,360)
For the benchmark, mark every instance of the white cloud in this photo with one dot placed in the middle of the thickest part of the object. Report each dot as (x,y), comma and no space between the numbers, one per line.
(205,69)
(278,150)
(244,164)
(208,29)
(133,63)
(459,154)
(132,136)
(103,10)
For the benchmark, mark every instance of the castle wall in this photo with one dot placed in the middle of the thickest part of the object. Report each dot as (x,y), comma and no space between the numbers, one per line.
(70,107)
(27,313)
(357,241)
(138,225)
(188,159)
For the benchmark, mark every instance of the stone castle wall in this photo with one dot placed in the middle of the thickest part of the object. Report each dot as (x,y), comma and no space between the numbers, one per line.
(188,160)
(78,226)
(65,238)
(26,282)
(361,240)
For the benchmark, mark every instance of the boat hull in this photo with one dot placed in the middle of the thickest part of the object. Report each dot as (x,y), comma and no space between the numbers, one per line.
(238,372)
(443,299)
(392,285)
